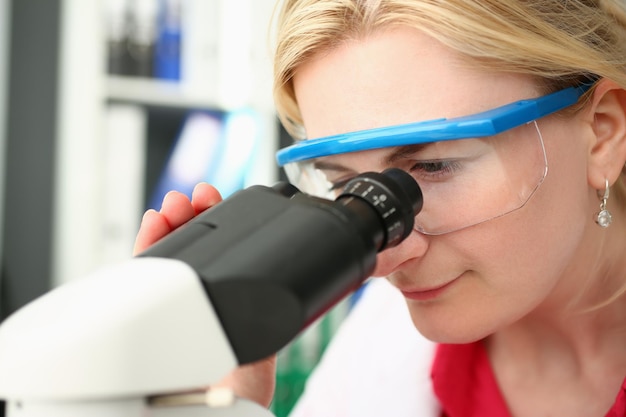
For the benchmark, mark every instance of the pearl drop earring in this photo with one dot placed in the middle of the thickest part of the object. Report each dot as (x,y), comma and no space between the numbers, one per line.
(603,217)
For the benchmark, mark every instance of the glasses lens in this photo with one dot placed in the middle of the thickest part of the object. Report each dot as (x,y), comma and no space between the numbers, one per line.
(464,182)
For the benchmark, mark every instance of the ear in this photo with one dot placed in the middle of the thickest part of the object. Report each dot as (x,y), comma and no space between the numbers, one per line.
(608,118)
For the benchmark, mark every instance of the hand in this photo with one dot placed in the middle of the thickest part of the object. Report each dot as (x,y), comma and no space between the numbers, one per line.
(254,381)
(176,209)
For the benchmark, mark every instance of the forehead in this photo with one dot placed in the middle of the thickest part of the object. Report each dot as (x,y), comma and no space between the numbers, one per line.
(395,76)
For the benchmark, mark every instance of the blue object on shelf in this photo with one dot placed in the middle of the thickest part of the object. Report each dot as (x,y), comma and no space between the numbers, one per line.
(194,149)
(213,147)
(167,49)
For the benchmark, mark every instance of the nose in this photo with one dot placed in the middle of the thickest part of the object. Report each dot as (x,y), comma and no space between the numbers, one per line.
(413,247)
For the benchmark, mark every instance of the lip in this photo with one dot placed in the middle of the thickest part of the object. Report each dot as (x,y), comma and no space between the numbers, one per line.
(429,294)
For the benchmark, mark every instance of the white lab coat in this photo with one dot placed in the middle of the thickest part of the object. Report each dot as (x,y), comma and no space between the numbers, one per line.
(376,365)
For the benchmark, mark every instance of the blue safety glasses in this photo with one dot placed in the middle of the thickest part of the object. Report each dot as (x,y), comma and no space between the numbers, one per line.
(487,123)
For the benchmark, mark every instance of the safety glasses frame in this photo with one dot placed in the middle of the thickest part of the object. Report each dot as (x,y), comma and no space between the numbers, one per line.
(487,123)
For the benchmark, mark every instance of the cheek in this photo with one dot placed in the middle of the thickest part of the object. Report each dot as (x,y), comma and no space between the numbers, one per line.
(514,263)
(511,267)
(539,241)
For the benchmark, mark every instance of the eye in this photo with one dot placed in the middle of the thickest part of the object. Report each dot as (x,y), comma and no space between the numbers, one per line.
(435,169)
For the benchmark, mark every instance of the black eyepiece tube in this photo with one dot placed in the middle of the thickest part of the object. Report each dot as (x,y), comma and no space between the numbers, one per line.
(273,259)
(394,196)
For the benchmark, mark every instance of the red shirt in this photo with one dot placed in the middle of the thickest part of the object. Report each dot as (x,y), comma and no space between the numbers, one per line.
(465,385)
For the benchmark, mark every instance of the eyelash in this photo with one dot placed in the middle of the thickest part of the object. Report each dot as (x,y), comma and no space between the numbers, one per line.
(338,185)
(431,170)
(435,169)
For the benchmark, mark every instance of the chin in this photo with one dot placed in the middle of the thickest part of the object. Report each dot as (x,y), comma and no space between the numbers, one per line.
(455,328)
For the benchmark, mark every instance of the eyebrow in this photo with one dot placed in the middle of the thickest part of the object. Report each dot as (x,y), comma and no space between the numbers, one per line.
(329,166)
(403,151)
(398,153)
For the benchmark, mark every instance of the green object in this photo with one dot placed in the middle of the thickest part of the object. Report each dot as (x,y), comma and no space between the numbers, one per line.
(297,360)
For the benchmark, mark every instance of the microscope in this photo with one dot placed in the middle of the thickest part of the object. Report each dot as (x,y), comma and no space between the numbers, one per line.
(234,285)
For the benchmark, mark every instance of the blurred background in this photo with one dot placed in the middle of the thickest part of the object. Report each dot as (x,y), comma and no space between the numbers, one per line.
(105,105)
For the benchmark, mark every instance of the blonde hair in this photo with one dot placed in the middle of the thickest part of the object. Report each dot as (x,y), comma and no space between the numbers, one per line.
(559,42)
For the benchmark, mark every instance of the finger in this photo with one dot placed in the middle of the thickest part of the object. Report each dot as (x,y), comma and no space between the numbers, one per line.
(255,381)
(153,227)
(204,196)
(177,209)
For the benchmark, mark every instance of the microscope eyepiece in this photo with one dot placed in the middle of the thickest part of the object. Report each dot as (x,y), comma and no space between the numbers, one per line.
(393,195)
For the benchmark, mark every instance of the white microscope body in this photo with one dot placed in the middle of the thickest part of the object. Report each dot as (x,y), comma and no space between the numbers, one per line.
(109,343)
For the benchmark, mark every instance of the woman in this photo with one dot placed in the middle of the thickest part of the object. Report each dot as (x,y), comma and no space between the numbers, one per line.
(516,265)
